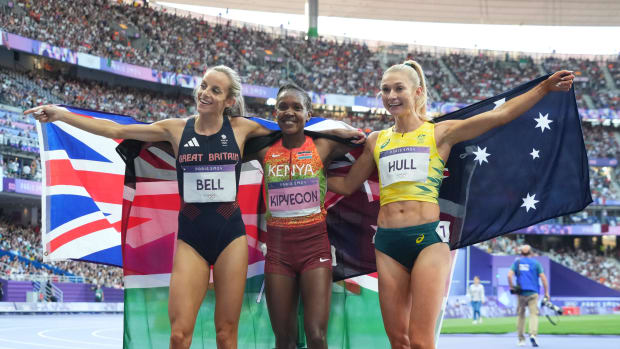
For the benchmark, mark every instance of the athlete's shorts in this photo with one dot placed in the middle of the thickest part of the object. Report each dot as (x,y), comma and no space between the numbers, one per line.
(294,250)
(405,244)
(209,228)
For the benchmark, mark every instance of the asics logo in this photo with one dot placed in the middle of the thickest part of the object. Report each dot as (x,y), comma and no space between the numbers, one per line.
(385,144)
(419,239)
(191,143)
(321,260)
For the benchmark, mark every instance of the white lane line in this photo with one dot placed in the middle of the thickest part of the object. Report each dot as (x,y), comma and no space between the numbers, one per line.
(96,334)
(43,334)
(32,345)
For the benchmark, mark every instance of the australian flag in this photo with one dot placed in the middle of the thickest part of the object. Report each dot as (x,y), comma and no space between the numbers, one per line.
(527,171)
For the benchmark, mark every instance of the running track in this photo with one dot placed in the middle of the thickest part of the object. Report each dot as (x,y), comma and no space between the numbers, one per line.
(93,331)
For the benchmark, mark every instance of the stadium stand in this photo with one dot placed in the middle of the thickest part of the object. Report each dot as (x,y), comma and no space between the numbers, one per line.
(21,259)
(183,44)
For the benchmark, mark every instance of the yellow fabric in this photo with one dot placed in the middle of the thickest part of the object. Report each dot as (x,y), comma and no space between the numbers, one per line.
(421,138)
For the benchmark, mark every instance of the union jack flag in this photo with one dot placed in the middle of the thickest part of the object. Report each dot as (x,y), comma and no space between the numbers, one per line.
(82,191)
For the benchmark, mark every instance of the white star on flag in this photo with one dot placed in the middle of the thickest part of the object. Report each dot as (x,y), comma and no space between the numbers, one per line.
(499,103)
(529,202)
(543,122)
(534,153)
(481,155)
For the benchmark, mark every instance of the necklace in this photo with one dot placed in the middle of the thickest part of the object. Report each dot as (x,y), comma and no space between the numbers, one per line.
(402,133)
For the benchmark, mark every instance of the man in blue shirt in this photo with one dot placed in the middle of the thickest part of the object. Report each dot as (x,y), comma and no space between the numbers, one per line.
(528,271)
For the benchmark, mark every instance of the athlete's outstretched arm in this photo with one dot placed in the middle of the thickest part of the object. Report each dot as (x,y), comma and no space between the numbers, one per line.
(455,131)
(157,131)
(359,172)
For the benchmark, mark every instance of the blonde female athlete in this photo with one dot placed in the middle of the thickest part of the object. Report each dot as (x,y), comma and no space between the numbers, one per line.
(208,149)
(412,261)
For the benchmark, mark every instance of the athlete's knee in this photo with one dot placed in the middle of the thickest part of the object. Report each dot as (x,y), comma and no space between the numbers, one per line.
(421,343)
(398,340)
(180,338)
(225,334)
(316,337)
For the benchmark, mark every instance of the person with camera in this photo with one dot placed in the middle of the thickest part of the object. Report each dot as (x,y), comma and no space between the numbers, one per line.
(528,272)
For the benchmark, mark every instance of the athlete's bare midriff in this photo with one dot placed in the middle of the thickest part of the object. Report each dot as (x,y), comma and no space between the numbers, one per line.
(407,213)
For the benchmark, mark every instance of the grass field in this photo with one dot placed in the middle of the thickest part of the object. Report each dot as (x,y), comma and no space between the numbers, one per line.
(585,324)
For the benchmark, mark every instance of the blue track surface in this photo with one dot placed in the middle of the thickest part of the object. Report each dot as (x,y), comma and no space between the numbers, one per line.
(91,331)
(496,341)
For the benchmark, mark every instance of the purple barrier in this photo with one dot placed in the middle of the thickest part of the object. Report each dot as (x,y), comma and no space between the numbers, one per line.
(602,162)
(460,306)
(15,291)
(73,292)
(568,283)
(571,229)
(21,186)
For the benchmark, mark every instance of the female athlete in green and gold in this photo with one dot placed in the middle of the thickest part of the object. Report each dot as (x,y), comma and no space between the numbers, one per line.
(412,260)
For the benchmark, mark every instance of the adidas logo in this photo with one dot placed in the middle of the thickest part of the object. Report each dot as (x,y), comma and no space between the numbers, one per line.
(191,143)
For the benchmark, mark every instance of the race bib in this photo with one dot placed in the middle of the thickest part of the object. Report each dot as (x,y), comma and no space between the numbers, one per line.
(443,230)
(209,183)
(294,198)
(404,164)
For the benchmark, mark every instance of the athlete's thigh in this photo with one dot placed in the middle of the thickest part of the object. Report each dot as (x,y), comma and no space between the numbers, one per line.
(316,292)
(394,297)
(188,285)
(428,283)
(282,293)
(229,276)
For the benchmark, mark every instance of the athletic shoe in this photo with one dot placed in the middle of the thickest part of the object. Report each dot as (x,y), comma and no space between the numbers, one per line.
(534,342)
(521,342)
(480,320)
(474,322)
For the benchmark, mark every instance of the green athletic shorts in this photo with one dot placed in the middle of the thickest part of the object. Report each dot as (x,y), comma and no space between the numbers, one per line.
(405,244)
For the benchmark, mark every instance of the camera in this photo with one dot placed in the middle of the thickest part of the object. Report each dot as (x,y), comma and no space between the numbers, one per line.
(515,290)
(547,303)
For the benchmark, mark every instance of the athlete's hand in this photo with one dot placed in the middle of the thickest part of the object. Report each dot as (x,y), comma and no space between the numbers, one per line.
(45,113)
(560,81)
(355,136)
(360,137)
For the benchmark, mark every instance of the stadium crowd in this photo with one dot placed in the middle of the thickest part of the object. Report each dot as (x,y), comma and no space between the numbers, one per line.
(596,264)
(25,241)
(18,131)
(168,42)
(25,91)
